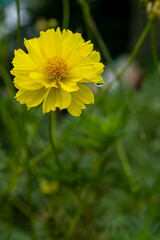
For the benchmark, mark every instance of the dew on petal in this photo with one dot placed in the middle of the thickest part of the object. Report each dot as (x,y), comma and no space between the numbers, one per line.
(99,84)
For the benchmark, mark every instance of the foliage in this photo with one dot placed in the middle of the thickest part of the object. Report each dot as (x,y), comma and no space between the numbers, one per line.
(108,186)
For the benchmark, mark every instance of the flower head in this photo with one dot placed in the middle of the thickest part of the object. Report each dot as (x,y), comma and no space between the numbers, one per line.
(153,9)
(55,70)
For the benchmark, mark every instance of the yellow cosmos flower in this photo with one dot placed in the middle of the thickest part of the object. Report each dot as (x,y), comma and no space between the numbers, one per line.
(54,71)
(153,9)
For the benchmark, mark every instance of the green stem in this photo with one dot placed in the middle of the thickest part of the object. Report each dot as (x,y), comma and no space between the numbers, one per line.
(125,163)
(154,49)
(18,25)
(135,50)
(40,156)
(63,138)
(86,11)
(76,218)
(65,21)
(23,207)
(48,150)
(51,136)
(131,58)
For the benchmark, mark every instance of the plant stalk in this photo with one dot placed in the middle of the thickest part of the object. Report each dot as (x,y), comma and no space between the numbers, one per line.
(125,164)
(51,136)
(154,49)
(66,13)
(18,24)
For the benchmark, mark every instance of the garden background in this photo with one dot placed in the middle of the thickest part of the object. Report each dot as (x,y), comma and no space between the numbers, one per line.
(107,186)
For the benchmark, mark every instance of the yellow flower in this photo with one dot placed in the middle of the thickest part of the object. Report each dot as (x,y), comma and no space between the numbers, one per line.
(153,9)
(49,187)
(54,71)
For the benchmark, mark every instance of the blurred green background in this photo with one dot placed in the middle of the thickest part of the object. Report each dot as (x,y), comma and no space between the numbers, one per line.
(108,188)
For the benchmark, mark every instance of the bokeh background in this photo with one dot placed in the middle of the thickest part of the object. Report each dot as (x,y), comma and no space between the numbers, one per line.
(108,188)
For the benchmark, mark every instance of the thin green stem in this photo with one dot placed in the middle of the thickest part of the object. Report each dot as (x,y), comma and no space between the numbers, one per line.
(51,136)
(131,58)
(78,214)
(91,23)
(66,12)
(154,49)
(18,24)
(40,156)
(23,207)
(125,163)
(135,50)
(63,138)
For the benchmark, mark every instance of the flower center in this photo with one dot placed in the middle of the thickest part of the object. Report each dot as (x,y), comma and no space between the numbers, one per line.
(56,68)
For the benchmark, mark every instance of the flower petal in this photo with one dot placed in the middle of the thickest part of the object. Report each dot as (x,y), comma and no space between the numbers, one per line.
(22,63)
(75,54)
(72,42)
(34,47)
(48,43)
(94,79)
(69,85)
(41,78)
(56,97)
(88,72)
(23,81)
(31,98)
(51,43)
(79,98)
(95,56)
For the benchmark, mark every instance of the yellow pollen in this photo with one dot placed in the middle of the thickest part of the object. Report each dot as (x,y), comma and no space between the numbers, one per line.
(56,68)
